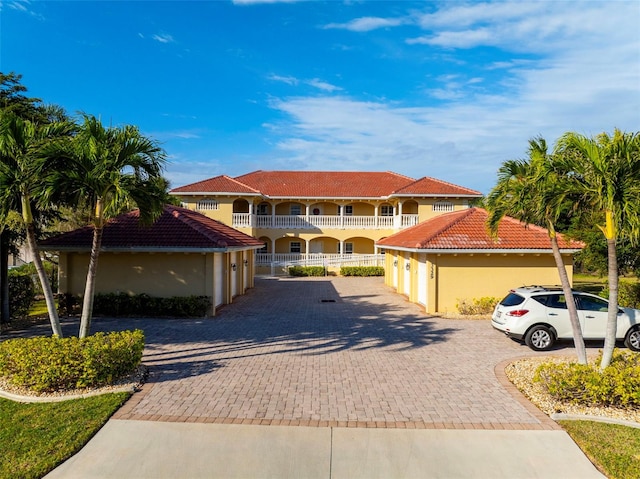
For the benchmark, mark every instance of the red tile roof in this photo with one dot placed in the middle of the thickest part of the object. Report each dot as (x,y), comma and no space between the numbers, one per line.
(467,230)
(177,229)
(219,184)
(327,184)
(434,187)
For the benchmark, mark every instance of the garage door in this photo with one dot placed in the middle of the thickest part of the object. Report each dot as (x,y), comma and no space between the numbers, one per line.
(218,278)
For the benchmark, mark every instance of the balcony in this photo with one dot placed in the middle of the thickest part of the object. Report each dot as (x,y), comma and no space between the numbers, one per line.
(323,222)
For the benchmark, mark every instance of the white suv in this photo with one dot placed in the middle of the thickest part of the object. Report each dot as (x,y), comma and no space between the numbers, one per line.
(539,316)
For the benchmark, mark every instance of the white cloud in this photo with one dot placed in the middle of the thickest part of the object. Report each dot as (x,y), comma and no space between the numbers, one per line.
(163,38)
(289,80)
(322,85)
(581,74)
(366,24)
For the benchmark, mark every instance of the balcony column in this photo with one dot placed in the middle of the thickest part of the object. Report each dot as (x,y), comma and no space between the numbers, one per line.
(273,217)
(306,219)
(399,214)
(341,207)
(252,221)
(307,244)
(375,214)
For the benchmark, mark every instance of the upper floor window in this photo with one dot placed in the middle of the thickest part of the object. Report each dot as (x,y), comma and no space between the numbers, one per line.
(296,210)
(386,210)
(348,210)
(443,206)
(207,205)
(263,209)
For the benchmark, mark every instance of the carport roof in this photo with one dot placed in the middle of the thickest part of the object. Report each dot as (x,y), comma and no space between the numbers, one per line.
(177,229)
(467,230)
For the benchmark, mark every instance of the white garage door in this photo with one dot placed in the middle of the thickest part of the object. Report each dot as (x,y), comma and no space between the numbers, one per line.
(218,278)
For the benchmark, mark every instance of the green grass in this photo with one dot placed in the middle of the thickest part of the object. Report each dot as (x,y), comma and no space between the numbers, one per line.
(35,438)
(38,309)
(614,449)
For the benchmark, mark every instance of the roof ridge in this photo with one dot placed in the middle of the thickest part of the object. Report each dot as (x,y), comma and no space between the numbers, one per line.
(461,215)
(184,215)
(449,184)
(412,180)
(241,183)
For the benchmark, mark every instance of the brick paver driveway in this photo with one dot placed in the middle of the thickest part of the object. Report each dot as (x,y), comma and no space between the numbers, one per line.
(327,352)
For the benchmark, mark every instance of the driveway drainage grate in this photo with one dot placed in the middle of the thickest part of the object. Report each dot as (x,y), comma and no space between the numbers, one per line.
(327,300)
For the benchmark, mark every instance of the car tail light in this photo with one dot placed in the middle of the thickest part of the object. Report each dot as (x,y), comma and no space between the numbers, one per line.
(518,312)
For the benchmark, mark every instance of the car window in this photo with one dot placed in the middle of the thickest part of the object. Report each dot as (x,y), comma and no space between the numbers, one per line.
(556,301)
(512,299)
(589,303)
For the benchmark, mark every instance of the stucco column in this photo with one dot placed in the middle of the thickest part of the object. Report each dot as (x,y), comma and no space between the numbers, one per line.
(341,208)
(375,214)
(306,248)
(273,217)
(252,221)
(341,247)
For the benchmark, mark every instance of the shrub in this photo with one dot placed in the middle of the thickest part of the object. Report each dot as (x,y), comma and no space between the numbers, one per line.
(50,268)
(307,271)
(617,385)
(49,364)
(21,294)
(123,304)
(362,271)
(628,294)
(484,305)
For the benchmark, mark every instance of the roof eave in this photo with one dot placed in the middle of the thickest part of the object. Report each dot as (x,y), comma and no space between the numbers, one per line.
(219,193)
(478,250)
(73,249)
(433,195)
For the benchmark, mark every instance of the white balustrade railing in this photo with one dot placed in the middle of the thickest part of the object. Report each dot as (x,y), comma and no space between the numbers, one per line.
(319,259)
(295,222)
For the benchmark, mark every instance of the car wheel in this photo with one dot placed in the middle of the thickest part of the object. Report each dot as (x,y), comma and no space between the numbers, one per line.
(632,339)
(539,338)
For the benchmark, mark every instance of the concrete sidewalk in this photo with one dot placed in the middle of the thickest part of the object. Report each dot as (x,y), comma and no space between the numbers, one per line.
(148,449)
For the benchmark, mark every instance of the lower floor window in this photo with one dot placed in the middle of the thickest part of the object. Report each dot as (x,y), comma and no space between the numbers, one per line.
(294,247)
(348,248)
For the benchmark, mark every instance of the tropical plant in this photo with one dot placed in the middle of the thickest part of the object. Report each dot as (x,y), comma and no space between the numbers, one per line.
(111,169)
(606,171)
(533,192)
(23,166)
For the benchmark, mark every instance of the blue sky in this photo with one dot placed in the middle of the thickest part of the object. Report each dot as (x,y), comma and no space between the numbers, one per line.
(445,89)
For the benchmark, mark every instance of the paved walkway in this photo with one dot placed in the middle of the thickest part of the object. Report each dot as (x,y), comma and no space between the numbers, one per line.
(343,359)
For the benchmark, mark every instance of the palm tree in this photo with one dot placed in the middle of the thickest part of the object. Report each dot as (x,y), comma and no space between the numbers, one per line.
(113,169)
(606,170)
(23,166)
(531,191)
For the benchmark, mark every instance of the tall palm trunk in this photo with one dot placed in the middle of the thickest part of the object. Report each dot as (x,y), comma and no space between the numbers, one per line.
(612,317)
(44,281)
(90,285)
(578,339)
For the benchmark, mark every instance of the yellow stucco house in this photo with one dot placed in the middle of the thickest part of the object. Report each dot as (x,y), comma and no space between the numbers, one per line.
(452,257)
(183,253)
(322,215)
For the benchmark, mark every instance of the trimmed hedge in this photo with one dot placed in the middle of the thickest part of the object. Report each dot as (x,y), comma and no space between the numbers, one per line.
(628,294)
(21,293)
(307,271)
(49,364)
(617,385)
(362,271)
(484,305)
(123,304)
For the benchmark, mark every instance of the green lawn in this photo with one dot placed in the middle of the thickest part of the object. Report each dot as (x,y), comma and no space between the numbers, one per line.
(35,438)
(614,449)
